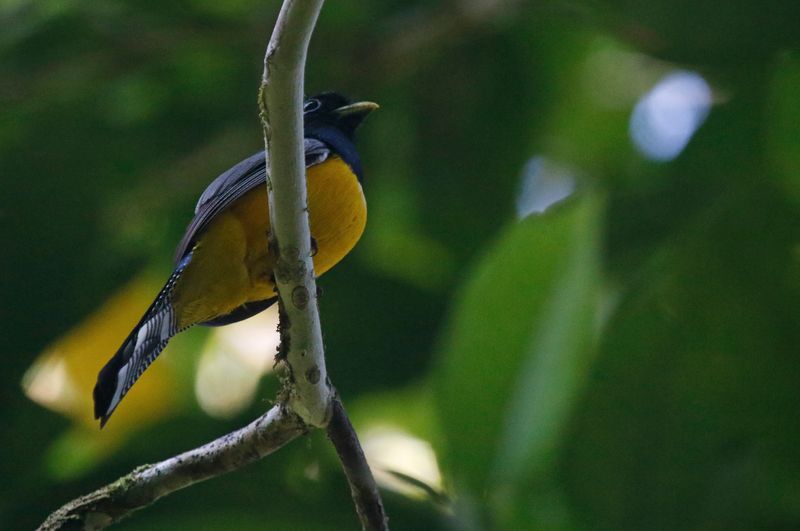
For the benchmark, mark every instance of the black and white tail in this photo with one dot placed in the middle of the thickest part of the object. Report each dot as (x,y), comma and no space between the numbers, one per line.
(139,350)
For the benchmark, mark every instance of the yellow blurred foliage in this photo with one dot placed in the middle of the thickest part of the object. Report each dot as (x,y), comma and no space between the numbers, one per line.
(63,376)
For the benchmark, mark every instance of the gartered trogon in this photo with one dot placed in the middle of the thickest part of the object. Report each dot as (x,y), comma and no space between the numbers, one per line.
(223,270)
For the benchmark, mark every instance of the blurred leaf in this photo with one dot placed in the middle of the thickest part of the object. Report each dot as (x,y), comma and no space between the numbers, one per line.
(63,376)
(783,124)
(76,451)
(517,347)
(129,100)
(590,111)
(705,31)
(689,418)
(410,408)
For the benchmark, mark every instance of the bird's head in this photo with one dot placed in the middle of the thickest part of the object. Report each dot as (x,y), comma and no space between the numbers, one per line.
(330,108)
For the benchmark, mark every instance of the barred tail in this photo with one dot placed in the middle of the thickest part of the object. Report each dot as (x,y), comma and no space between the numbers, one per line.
(139,350)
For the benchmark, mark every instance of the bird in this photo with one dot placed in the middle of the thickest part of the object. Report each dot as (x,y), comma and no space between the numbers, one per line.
(223,266)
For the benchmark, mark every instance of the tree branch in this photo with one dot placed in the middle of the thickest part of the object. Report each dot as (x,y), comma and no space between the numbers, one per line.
(311,394)
(363,489)
(281,102)
(310,399)
(148,483)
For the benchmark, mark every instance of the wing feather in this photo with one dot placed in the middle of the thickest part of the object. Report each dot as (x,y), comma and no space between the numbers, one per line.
(233,184)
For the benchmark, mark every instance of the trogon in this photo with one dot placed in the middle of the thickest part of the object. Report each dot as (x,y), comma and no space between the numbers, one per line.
(223,270)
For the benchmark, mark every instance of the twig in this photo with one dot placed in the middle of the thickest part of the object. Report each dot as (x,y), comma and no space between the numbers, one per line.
(281,102)
(363,489)
(148,483)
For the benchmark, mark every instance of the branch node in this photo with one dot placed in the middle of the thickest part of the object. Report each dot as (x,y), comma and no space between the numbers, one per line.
(300,297)
(312,375)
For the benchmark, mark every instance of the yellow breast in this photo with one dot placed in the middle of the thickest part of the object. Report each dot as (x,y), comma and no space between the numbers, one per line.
(230,264)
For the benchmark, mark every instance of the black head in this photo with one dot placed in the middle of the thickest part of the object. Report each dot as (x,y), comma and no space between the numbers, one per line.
(332,109)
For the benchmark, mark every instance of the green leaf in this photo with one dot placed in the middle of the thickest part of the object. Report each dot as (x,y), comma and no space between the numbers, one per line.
(689,418)
(518,347)
(783,124)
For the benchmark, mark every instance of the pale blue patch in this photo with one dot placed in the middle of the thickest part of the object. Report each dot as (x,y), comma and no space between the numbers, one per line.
(543,184)
(664,120)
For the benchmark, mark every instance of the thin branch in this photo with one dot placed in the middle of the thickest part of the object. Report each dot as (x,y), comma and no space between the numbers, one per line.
(281,102)
(148,483)
(363,489)
(312,395)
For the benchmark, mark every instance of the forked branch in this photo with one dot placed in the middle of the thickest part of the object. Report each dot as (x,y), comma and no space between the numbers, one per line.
(311,398)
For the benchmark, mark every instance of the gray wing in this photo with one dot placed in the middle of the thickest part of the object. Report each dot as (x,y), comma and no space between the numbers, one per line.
(232,185)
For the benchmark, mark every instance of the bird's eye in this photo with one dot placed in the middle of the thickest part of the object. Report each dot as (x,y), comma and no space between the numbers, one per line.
(311,105)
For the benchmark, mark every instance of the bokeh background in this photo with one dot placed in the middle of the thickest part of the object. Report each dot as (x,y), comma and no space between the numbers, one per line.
(575,305)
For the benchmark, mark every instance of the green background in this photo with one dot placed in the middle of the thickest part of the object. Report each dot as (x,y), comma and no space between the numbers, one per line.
(627,360)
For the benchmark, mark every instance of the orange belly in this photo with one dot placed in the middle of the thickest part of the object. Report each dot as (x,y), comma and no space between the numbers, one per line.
(231,265)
